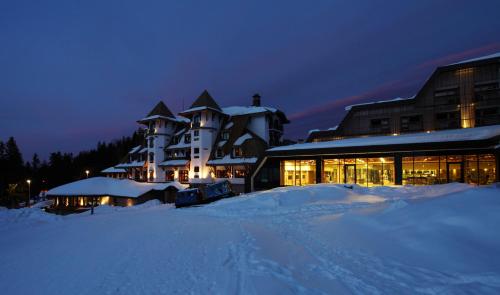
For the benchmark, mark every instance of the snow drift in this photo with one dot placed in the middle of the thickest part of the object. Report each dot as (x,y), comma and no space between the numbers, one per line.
(319,239)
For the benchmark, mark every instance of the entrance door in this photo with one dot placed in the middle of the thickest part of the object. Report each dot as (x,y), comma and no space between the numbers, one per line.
(455,172)
(350,173)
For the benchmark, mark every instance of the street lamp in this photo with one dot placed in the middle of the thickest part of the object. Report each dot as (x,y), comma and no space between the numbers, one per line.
(29,192)
(87,172)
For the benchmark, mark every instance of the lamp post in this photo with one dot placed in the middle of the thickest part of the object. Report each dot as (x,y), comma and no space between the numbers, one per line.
(29,192)
(92,198)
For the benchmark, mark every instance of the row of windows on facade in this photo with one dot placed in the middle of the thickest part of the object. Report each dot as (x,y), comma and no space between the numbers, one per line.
(424,170)
(444,120)
(237,153)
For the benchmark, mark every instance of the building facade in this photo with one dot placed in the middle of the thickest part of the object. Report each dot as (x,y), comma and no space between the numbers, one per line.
(448,132)
(204,143)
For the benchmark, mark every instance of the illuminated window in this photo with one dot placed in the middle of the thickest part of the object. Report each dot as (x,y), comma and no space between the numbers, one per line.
(298,172)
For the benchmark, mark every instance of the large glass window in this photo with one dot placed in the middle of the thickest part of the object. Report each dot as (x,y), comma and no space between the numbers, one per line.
(380,171)
(362,171)
(473,169)
(298,172)
(487,169)
(333,171)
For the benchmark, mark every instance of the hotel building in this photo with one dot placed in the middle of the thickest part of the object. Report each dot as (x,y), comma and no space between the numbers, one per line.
(203,144)
(448,132)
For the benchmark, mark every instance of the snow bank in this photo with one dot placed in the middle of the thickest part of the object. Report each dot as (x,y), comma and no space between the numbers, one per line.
(320,239)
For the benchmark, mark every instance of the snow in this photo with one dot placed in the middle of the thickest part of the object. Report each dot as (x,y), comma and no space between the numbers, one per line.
(143,150)
(174,163)
(465,134)
(221,143)
(227,160)
(135,149)
(176,119)
(242,139)
(229,125)
(349,107)
(313,130)
(333,128)
(321,239)
(113,170)
(131,164)
(106,186)
(182,131)
(494,55)
(246,110)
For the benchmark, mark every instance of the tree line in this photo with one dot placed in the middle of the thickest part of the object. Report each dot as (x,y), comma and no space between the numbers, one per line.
(59,169)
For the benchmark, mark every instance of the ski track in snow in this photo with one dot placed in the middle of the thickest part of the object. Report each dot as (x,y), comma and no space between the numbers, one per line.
(295,241)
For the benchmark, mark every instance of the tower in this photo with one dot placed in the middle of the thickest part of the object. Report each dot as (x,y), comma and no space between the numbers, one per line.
(206,119)
(160,126)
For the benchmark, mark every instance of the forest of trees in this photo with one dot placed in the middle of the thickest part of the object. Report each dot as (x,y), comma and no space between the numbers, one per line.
(60,168)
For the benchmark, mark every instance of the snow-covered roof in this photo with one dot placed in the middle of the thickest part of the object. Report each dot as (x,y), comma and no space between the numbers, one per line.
(180,132)
(242,139)
(197,109)
(349,107)
(229,125)
(106,186)
(246,110)
(221,143)
(143,150)
(313,130)
(135,149)
(465,134)
(180,145)
(182,162)
(154,117)
(182,119)
(227,160)
(113,170)
(131,164)
(494,55)
(333,128)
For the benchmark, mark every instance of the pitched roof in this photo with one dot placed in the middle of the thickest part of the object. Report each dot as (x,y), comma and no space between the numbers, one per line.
(161,110)
(205,100)
(105,186)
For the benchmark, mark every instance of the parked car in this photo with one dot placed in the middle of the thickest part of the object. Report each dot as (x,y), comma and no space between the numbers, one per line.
(204,194)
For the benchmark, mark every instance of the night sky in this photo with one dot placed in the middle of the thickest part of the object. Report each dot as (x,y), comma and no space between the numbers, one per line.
(74,73)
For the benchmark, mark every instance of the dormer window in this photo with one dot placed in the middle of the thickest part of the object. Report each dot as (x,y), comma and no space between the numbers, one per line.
(225,135)
(187,138)
(151,142)
(219,153)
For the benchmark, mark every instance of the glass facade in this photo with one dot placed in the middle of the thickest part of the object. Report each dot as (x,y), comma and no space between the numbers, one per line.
(298,172)
(417,170)
(473,169)
(362,171)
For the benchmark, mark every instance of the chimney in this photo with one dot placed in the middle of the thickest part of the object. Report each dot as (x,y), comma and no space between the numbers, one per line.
(256,100)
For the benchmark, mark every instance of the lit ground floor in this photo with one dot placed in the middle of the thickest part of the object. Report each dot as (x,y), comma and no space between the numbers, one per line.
(472,161)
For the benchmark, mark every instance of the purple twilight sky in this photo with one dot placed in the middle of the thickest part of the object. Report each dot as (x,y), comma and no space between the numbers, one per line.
(76,72)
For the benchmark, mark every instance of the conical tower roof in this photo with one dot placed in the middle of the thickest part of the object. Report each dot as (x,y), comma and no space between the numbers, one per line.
(161,110)
(205,100)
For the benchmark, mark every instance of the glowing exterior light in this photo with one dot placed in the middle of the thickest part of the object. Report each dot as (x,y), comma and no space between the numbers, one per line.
(87,172)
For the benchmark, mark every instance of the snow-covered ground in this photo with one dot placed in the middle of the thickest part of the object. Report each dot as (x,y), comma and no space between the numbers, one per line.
(322,239)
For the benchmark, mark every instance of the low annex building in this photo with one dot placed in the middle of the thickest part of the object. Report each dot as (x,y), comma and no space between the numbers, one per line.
(448,132)
(110,191)
(203,144)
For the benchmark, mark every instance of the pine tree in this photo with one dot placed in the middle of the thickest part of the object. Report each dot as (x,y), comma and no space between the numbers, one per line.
(3,169)
(14,162)
(35,163)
